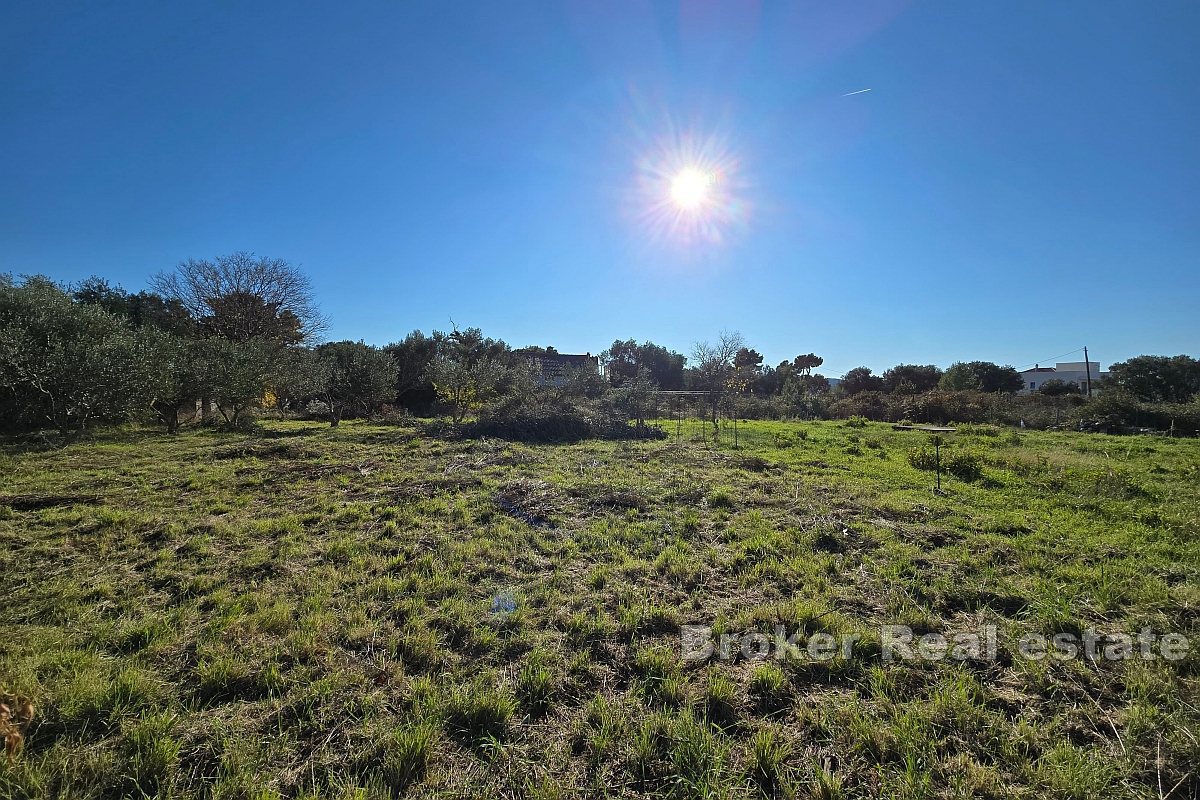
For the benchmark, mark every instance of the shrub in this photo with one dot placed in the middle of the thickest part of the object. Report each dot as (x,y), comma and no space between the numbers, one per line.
(964,465)
(923,458)
(875,406)
(562,420)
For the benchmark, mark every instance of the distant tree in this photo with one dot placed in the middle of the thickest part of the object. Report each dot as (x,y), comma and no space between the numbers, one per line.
(982,376)
(144,309)
(1056,387)
(800,367)
(468,369)
(636,397)
(803,393)
(242,296)
(911,378)
(714,366)
(1158,379)
(413,355)
(805,364)
(860,379)
(747,367)
(583,382)
(621,361)
(769,381)
(624,359)
(816,384)
(792,392)
(353,377)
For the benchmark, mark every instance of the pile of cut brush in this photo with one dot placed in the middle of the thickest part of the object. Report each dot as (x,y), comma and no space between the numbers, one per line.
(531,501)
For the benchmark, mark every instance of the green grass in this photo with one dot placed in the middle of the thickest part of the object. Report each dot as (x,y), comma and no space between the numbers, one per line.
(366,611)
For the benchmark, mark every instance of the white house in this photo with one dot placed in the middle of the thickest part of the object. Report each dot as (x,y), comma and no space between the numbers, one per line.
(1065,371)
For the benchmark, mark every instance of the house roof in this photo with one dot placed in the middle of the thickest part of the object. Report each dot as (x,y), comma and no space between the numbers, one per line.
(563,358)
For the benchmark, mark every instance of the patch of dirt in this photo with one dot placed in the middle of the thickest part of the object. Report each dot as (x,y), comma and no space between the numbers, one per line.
(755,464)
(318,471)
(531,501)
(260,450)
(824,465)
(36,502)
(602,499)
(423,490)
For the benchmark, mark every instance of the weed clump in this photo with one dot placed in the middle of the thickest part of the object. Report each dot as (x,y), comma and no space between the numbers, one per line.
(965,465)
(407,755)
(660,675)
(479,710)
(152,753)
(536,682)
(720,498)
(720,699)
(769,754)
(768,685)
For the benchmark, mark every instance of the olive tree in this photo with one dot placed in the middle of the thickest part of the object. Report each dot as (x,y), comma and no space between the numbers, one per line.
(1158,379)
(175,374)
(468,370)
(353,377)
(73,363)
(236,375)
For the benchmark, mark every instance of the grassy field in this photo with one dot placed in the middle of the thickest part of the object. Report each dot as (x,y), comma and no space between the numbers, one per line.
(368,610)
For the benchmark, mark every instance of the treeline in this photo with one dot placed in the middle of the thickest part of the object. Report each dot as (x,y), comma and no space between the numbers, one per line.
(216,341)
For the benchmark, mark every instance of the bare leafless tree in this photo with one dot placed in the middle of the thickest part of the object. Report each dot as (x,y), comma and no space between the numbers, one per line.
(714,364)
(242,296)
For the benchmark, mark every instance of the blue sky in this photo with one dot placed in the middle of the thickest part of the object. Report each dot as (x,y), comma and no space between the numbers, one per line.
(1022,179)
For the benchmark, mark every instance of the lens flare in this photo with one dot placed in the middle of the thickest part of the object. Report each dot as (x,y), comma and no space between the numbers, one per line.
(688,190)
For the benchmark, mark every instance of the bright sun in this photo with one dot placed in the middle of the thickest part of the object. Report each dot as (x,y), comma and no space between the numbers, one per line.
(691,188)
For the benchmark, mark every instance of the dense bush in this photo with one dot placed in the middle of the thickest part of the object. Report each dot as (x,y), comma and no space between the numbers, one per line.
(1115,410)
(875,406)
(557,420)
(1112,411)
(65,363)
(964,465)
(760,407)
(923,458)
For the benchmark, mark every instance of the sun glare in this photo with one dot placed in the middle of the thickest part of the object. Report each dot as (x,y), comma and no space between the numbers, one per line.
(691,188)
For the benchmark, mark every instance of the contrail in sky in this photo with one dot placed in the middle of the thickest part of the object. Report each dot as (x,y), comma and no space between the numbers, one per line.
(860,91)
